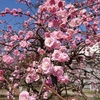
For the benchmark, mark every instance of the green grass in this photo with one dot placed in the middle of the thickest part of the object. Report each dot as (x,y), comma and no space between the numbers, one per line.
(90,91)
(96,98)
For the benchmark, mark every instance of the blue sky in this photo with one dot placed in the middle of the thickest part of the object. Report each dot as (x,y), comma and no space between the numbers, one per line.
(11,4)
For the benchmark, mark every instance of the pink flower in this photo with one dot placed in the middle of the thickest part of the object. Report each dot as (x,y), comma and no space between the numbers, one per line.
(50,24)
(14,10)
(15,85)
(20,0)
(35,77)
(16,52)
(47,34)
(1,72)
(75,22)
(82,12)
(33,97)
(22,57)
(23,43)
(41,51)
(70,31)
(28,79)
(7,9)
(28,13)
(73,99)
(60,56)
(63,49)
(56,34)
(49,43)
(19,10)
(29,35)
(7,48)
(7,59)
(24,95)
(45,95)
(63,57)
(52,2)
(21,32)
(14,37)
(63,79)
(6,35)
(9,27)
(56,55)
(49,81)
(46,66)
(60,4)
(69,6)
(58,71)
(57,44)
(32,76)
(87,41)
(1,79)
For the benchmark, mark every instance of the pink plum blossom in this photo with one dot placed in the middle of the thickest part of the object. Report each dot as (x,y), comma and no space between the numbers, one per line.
(62,49)
(14,37)
(70,31)
(7,9)
(32,77)
(50,24)
(87,41)
(57,44)
(56,55)
(22,57)
(29,34)
(23,43)
(75,22)
(21,32)
(49,43)
(14,10)
(33,97)
(46,66)
(56,34)
(1,72)
(16,52)
(60,56)
(63,79)
(28,13)
(7,59)
(6,35)
(9,27)
(69,6)
(63,57)
(58,71)
(49,81)
(1,79)
(45,95)
(41,51)
(19,10)
(7,48)
(24,95)
(73,99)
(15,85)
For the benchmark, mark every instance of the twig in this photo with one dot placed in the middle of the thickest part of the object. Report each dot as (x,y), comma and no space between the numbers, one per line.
(61,98)
(10,85)
(82,92)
